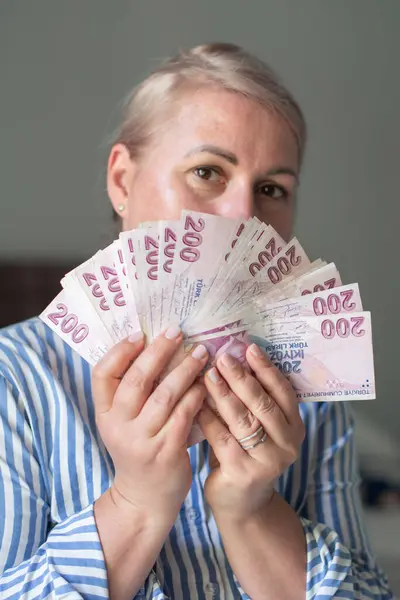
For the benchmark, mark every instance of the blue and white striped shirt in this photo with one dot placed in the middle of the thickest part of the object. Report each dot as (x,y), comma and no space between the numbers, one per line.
(53,467)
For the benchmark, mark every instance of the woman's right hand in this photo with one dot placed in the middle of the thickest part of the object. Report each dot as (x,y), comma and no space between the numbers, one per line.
(145,426)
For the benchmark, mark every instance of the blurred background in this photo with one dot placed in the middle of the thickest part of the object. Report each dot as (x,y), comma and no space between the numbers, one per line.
(64,69)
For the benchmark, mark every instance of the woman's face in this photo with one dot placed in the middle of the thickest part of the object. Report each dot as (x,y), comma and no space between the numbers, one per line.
(220,153)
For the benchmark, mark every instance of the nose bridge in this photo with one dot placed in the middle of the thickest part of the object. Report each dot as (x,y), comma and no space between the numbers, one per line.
(238,201)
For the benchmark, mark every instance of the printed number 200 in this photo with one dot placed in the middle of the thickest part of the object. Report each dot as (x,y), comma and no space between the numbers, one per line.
(192,239)
(69,324)
(343,327)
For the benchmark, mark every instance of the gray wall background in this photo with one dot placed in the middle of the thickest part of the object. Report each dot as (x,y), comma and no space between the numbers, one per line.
(64,67)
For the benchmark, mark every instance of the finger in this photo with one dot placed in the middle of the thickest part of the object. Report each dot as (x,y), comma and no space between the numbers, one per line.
(226,447)
(275,383)
(240,421)
(107,373)
(162,401)
(257,400)
(177,429)
(138,382)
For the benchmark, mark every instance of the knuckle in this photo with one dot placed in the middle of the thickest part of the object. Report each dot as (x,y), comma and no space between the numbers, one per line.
(99,371)
(179,417)
(239,373)
(198,389)
(224,391)
(264,404)
(163,395)
(195,395)
(218,414)
(245,420)
(135,379)
(224,438)
(185,412)
(111,433)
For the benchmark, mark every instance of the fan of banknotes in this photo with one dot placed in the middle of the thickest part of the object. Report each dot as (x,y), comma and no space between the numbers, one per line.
(225,283)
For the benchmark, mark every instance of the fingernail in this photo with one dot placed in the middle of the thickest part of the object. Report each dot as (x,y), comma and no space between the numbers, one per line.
(172,332)
(200,352)
(235,350)
(136,336)
(214,375)
(228,361)
(258,352)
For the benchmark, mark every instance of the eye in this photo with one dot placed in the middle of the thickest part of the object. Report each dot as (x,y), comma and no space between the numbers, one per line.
(208,173)
(272,190)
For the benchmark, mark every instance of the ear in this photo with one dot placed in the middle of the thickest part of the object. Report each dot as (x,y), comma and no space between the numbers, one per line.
(120,171)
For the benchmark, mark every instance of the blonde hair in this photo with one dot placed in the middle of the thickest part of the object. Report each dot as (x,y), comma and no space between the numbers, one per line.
(218,64)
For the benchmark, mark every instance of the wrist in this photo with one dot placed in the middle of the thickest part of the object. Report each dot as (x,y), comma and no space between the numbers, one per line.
(129,541)
(252,516)
(128,519)
(125,510)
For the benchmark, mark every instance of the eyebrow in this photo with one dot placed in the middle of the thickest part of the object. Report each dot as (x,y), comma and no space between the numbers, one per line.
(283,171)
(229,156)
(232,158)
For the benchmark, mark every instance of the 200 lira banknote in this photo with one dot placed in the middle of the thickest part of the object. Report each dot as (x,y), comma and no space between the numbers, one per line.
(221,279)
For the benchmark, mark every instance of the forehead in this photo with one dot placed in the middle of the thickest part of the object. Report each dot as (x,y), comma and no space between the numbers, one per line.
(255,134)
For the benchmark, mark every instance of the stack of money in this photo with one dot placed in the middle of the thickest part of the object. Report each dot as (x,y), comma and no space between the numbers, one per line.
(225,283)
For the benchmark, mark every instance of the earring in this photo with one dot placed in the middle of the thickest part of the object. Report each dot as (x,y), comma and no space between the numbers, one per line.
(121,207)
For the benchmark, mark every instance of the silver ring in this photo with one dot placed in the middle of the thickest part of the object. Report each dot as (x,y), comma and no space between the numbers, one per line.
(264,437)
(251,437)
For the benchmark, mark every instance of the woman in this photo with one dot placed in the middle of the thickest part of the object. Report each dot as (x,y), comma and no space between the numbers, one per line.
(99,495)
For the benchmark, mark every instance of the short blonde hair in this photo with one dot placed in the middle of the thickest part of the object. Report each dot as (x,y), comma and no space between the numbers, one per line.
(218,64)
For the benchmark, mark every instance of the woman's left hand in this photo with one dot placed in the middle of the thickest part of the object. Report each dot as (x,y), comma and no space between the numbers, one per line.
(241,482)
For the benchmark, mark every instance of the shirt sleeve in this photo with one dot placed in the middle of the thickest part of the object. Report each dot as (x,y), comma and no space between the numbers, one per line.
(36,559)
(340,563)
(339,560)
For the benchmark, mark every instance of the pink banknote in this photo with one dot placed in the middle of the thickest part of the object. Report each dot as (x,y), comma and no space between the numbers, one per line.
(71,316)
(326,358)
(343,299)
